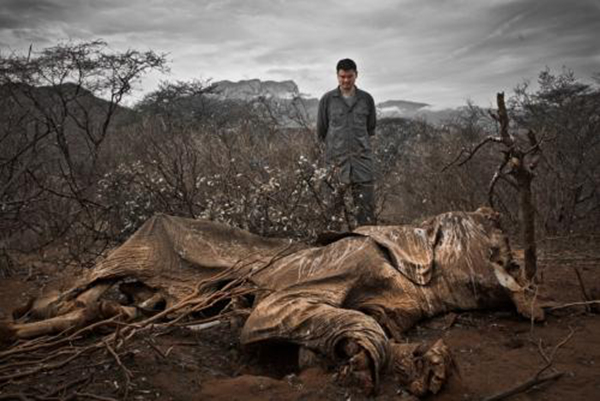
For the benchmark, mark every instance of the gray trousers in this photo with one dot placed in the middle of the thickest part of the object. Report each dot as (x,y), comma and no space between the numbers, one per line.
(363,196)
(363,200)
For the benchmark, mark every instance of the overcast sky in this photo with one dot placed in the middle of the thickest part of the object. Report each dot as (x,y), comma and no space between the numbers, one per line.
(440,52)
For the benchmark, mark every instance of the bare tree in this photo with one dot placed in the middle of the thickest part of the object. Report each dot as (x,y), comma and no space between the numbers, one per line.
(59,106)
(519,160)
(568,110)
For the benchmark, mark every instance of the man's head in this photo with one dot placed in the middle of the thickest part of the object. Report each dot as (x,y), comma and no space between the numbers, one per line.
(346,74)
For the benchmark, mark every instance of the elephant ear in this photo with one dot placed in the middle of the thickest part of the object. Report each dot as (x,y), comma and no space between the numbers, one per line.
(409,249)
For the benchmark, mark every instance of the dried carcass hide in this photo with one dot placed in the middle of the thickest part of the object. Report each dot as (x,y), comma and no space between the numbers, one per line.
(350,299)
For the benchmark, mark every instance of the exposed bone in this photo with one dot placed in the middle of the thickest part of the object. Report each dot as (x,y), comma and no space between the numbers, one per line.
(204,326)
(136,291)
(72,320)
(94,293)
(50,304)
(525,303)
(76,318)
(43,307)
(152,302)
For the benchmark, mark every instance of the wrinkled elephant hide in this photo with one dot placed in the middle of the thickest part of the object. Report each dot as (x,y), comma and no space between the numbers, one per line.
(351,299)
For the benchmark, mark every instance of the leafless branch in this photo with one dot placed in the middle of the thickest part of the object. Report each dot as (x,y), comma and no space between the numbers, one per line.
(471,152)
(526,385)
(94,396)
(538,377)
(127,373)
(571,304)
(497,175)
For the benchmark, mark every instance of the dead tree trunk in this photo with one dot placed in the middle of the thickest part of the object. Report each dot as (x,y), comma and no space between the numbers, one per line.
(521,169)
(527,218)
(516,168)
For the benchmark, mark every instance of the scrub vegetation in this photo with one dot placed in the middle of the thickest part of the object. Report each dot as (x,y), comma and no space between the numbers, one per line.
(80,170)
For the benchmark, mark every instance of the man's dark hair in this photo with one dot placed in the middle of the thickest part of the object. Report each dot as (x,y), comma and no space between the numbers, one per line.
(346,65)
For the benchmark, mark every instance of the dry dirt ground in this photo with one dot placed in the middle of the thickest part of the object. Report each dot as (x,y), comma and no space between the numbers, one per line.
(493,350)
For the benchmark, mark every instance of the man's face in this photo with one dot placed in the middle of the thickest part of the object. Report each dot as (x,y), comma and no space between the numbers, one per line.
(346,79)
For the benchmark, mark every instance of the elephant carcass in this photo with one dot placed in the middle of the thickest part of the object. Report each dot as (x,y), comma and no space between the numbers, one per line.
(351,299)
(372,286)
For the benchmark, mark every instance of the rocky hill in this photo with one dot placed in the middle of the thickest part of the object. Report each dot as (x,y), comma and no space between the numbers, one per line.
(288,92)
(255,88)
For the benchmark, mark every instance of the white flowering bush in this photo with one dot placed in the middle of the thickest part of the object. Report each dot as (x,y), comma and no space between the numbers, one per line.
(230,162)
(276,193)
(129,199)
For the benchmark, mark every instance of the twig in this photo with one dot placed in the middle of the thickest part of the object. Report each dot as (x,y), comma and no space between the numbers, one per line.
(571,258)
(37,361)
(66,386)
(187,344)
(533,381)
(155,348)
(537,378)
(95,397)
(592,302)
(532,306)
(471,152)
(80,368)
(495,178)
(47,367)
(126,371)
(33,345)
(582,288)
(117,336)
(14,396)
(221,316)
(203,297)
(542,352)
(550,359)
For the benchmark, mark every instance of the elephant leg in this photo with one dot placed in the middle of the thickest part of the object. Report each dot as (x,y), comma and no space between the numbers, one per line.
(74,319)
(419,369)
(349,337)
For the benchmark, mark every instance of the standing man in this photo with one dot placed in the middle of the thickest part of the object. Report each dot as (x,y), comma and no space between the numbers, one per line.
(345,122)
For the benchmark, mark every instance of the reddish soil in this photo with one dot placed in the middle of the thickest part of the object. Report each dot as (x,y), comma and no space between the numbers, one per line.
(494,351)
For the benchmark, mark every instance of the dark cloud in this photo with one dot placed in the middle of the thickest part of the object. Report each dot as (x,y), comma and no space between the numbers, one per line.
(439,52)
(29,11)
(9,21)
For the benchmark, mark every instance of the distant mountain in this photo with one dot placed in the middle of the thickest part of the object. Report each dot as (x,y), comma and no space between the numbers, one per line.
(288,92)
(255,88)
(75,118)
(401,106)
(52,100)
(413,110)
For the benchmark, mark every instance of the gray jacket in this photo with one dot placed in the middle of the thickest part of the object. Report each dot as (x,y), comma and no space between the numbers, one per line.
(346,129)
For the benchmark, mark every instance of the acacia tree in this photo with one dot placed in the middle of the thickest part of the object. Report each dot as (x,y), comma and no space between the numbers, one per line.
(59,106)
